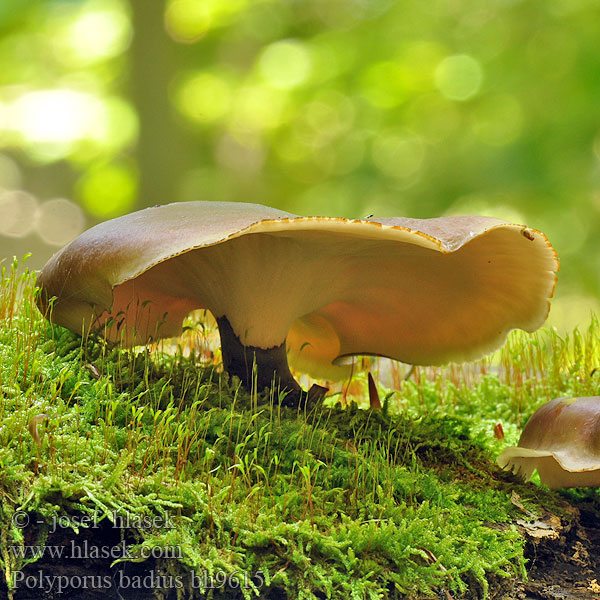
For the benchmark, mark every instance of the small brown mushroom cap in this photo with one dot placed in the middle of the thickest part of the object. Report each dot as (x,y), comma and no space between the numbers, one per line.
(419,291)
(562,441)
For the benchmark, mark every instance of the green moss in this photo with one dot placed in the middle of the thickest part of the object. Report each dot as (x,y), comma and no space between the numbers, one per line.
(335,503)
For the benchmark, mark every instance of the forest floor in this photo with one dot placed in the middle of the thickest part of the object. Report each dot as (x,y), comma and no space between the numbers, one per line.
(147,474)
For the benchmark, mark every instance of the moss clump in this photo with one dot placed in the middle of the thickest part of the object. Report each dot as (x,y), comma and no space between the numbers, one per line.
(226,492)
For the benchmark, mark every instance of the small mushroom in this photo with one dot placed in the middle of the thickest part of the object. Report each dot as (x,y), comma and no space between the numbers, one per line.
(316,290)
(33,428)
(562,441)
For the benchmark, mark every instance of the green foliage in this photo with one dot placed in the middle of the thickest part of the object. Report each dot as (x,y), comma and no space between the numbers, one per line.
(335,503)
(343,108)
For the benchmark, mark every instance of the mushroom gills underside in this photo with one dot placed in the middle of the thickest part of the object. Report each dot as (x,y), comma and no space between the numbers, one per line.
(549,469)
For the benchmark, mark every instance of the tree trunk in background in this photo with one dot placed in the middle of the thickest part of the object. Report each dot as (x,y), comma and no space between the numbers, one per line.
(162,150)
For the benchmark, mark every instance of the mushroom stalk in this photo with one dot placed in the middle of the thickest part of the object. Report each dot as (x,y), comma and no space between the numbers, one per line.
(262,368)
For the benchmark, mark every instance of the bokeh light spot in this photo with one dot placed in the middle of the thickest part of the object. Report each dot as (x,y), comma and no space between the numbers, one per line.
(203,97)
(17,213)
(285,64)
(53,124)
(108,191)
(99,34)
(55,115)
(187,21)
(383,86)
(458,77)
(258,107)
(59,221)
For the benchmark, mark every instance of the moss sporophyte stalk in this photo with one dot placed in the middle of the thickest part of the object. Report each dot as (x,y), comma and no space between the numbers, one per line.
(338,501)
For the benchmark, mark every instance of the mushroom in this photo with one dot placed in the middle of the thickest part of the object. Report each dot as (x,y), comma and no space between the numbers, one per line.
(316,290)
(562,441)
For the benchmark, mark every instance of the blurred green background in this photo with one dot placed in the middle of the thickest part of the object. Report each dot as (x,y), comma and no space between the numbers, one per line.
(333,107)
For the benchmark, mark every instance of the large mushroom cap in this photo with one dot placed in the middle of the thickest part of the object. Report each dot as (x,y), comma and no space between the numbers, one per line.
(419,291)
(562,441)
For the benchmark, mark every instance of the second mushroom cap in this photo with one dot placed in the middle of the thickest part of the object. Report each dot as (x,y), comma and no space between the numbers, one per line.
(562,441)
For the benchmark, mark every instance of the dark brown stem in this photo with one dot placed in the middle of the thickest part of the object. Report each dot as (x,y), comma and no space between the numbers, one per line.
(263,368)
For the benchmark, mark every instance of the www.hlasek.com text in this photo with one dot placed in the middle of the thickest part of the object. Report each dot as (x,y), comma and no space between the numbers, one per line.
(86,550)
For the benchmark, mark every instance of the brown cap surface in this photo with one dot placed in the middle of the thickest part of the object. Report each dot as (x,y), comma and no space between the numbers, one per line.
(562,441)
